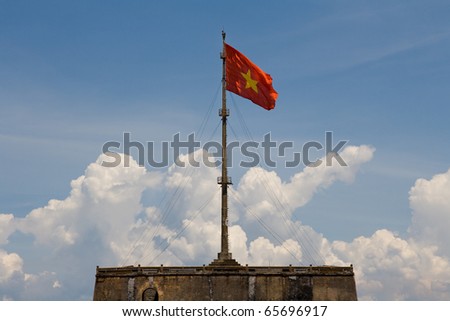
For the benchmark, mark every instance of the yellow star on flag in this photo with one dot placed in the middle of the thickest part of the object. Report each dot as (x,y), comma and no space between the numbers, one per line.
(251,83)
(242,74)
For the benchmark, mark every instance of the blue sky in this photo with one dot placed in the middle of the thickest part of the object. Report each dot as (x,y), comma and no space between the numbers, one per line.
(74,75)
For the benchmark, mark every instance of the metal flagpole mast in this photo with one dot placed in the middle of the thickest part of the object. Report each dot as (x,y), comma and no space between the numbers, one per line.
(224,180)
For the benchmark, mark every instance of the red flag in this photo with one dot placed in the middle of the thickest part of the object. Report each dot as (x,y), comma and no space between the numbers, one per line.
(247,80)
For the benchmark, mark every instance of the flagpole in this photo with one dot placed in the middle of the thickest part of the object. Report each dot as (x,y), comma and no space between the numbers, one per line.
(224,180)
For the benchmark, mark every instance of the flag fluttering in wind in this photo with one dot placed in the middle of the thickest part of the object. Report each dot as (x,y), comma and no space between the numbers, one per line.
(247,80)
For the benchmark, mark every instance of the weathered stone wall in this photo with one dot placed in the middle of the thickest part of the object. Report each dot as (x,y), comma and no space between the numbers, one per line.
(225,284)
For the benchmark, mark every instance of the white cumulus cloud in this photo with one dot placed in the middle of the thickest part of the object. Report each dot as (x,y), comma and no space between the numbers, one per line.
(7,227)
(110,218)
(430,204)
(10,264)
